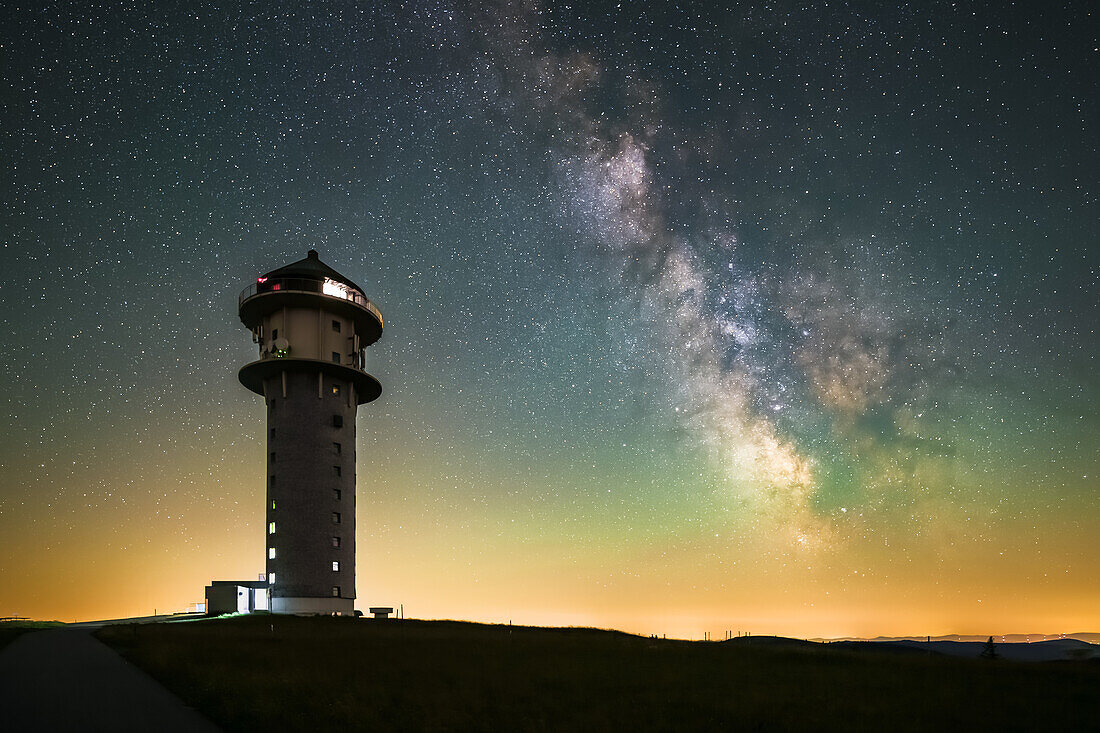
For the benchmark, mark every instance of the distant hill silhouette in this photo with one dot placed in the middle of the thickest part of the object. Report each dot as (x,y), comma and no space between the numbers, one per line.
(1086,636)
(1039,651)
(770,641)
(881,647)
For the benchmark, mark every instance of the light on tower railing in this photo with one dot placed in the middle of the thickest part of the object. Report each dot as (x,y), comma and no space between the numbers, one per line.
(336,289)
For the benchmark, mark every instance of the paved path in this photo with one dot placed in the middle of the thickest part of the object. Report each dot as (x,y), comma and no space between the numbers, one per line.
(66,680)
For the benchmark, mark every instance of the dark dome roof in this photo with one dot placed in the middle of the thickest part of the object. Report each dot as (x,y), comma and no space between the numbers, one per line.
(313,269)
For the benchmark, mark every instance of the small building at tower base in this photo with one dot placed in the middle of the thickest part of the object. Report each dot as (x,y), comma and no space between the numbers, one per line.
(236,596)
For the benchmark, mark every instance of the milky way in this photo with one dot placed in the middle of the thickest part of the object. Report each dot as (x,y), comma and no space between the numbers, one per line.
(737,343)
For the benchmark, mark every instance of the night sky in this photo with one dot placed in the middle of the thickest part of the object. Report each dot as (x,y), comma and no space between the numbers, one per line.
(772,317)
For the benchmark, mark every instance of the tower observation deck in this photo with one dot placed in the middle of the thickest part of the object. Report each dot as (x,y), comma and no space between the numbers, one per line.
(312,326)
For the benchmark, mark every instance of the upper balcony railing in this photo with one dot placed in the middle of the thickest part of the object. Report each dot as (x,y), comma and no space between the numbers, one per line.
(326,287)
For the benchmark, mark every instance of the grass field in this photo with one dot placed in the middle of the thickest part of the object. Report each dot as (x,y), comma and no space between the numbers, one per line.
(277,673)
(11,630)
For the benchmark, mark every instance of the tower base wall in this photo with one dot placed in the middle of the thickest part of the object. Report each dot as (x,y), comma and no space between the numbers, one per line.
(326,606)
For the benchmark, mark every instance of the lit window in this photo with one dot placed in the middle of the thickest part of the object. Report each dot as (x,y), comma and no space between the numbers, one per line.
(335,566)
(336,494)
(335,541)
(337,289)
(337,447)
(335,591)
(337,470)
(271,553)
(336,357)
(272,504)
(336,326)
(336,517)
(336,389)
(271,527)
(271,578)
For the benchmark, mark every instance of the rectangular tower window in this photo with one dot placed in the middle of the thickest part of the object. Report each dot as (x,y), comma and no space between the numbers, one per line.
(272,432)
(336,517)
(271,578)
(335,591)
(271,481)
(336,389)
(336,494)
(335,541)
(336,470)
(337,421)
(336,357)
(274,334)
(272,456)
(337,447)
(336,326)
(272,505)
(271,553)
(271,527)
(335,566)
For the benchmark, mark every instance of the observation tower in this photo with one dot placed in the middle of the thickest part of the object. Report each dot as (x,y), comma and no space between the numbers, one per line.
(312,326)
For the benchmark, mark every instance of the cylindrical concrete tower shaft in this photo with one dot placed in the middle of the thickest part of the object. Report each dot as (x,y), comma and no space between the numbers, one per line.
(313,326)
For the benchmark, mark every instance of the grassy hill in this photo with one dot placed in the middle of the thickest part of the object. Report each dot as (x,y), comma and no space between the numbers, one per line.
(11,630)
(285,673)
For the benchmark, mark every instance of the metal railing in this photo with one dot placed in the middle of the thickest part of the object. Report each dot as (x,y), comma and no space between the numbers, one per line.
(327,288)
